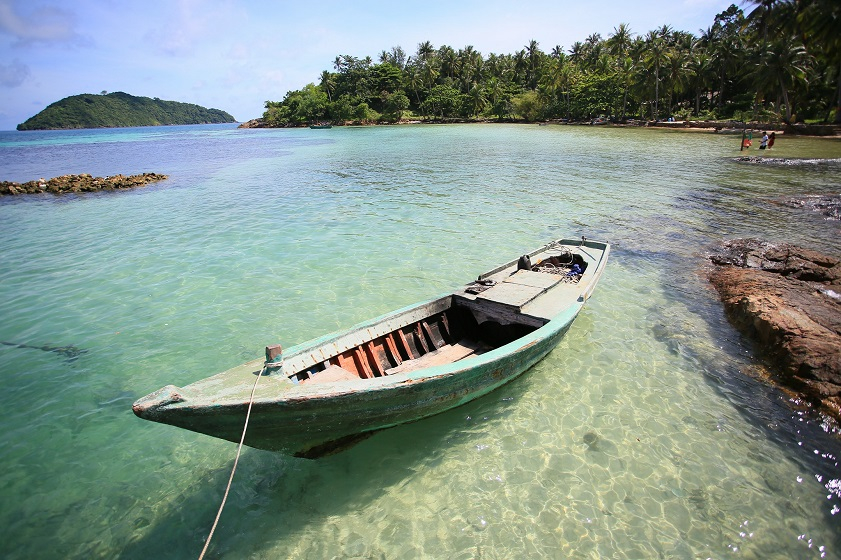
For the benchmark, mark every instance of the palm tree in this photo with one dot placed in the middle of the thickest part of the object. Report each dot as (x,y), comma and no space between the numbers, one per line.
(557,79)
(425,51)
(576,52)
(725,43)
(665,32)
(533,55)
(619,43)
(627,76)
(478,101)
(398,56)
(784,64)
(466,68)
(520,67)
(821,21)
(497,96)
(414,81)
(429,74)
(447,58)
(474,67)
(678,72)
(763,14)
(495,90)
(593,49)
(328,84)
(699,65)
(655,56)
(604,64)
(726,51)
(506,68)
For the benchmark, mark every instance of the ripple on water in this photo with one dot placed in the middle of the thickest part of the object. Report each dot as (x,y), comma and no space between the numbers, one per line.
(637,437)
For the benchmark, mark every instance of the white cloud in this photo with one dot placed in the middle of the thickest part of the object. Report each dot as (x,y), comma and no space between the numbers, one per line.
(190,26)
(30,24)
(14,74)
(271,80)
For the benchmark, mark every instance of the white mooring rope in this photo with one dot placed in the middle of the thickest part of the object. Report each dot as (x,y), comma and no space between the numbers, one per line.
(234,469)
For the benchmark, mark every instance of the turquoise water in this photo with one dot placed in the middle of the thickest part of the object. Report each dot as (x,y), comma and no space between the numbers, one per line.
(639,436)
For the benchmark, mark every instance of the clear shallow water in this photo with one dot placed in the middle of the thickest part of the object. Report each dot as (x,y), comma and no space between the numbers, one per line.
(638,437)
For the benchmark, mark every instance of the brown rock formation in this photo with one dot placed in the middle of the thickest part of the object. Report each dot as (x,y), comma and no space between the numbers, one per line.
(79,183)
(788,300)
(255,123)
(828,205)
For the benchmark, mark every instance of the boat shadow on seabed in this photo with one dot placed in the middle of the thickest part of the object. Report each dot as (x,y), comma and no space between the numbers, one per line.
(273,490)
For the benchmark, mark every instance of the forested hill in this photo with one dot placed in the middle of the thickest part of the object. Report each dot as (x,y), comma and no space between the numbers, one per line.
(120,109)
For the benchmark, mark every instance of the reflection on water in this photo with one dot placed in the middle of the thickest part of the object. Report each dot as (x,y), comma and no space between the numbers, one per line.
(639,436)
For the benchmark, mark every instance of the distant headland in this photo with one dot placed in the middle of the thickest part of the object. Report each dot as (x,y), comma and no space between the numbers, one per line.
(118,109)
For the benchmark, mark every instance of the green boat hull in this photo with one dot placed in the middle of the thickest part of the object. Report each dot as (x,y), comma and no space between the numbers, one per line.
(311,420)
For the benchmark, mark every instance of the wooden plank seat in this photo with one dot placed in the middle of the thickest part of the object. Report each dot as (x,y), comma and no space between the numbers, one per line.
(444,355)
(520,288)
(331,373)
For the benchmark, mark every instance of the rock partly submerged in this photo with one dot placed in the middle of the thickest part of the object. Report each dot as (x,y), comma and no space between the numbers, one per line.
(788,162)
(828,206)
(79,183)
(788,300)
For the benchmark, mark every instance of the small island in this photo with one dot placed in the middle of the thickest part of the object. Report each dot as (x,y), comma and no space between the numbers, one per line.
(118,109)
(79,183)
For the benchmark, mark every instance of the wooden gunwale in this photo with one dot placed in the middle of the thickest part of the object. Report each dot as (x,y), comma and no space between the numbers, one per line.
(298,417)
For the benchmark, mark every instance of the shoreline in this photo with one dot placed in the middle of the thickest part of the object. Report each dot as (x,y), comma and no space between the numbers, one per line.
(716,127)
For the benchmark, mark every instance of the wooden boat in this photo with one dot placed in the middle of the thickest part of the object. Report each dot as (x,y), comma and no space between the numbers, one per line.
(321,126)
(323,395)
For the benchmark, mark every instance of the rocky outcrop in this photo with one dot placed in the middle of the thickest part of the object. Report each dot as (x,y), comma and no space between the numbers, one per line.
(788,300)
(79,183)
(788,162)
(255,123)
(827,205)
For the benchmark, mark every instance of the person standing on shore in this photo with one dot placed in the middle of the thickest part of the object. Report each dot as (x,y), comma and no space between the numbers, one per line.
(764,142)
(771,140)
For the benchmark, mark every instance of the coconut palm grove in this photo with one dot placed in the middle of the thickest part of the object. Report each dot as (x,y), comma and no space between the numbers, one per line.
(777,61)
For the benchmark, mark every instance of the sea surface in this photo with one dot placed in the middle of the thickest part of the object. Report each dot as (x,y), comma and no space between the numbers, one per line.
(647,433)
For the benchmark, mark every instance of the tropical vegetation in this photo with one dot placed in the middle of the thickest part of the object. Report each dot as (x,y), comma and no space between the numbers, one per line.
(779,62)
(120,109)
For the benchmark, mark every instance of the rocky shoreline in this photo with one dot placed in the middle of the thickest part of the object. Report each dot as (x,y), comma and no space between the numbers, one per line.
(787,299)
(79,183)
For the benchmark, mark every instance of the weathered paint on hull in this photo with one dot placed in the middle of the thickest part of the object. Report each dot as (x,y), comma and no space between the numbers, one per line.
(299,426)
(293,414)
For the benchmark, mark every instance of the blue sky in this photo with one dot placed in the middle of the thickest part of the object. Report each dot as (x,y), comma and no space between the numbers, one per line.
(235,55)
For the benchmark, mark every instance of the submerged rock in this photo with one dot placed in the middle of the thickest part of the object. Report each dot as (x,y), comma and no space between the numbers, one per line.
(788,300)
(79,183)
(827,205)
(775,161)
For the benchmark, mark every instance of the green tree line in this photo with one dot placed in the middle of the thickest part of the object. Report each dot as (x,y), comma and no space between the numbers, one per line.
(779,62)
(120,109)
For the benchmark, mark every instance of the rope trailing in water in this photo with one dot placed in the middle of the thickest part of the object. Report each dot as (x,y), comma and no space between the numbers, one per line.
(236,461)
